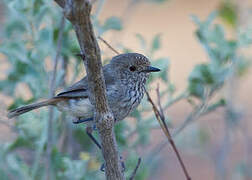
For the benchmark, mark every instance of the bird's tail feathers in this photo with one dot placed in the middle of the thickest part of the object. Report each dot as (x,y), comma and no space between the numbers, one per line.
(29,107)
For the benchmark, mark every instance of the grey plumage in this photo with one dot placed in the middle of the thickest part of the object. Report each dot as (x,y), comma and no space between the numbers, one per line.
(125,77)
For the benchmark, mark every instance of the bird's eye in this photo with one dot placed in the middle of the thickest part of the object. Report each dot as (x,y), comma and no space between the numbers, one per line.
(132,68)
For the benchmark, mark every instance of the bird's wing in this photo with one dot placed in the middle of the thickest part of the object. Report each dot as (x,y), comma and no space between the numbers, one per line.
(79,89)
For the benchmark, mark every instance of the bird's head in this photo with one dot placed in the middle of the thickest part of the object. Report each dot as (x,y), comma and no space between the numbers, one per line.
(133,67)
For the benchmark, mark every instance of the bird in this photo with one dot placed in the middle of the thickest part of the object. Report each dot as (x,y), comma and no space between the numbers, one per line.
(125,79)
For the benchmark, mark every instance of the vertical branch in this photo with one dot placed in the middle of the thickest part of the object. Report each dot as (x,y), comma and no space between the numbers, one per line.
(78,13)
(51,112)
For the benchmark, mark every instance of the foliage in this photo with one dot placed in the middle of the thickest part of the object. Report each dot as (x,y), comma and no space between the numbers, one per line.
(30,37)
(228,12)
(223,55)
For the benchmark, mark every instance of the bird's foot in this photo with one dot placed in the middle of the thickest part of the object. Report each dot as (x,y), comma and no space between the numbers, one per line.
(83,57)
(82,120)
(102,168)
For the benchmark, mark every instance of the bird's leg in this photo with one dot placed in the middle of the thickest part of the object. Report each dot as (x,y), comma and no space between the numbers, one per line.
(89,131)
(83,57)
(102,168)
(82,120)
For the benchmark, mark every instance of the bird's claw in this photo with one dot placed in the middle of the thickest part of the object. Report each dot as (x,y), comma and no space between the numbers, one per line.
(82,120)
(83,57)
(102,168)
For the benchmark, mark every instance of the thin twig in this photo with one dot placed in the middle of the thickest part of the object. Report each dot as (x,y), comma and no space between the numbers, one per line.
(183,95)
(159,103)
(135,170)
(52,91)
(167,133)
(162,144)
(105,42)
(197,112)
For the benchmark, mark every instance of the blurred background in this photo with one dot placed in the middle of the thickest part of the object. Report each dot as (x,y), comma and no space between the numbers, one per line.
(204,50)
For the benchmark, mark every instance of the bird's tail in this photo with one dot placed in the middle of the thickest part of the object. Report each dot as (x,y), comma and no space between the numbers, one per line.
(29,107)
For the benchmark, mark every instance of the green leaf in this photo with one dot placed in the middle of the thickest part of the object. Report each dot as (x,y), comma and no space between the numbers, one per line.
(207,74)
(7,88)
(120,129)
(20,142)
(57,160)
(136,113)
(210,18)
(14,28)
(17,167)
(4,174)
(156,43)
(195,19)
(196,89)
(228,12)
(202,74)
(245,38)
(200,77)
(81,137)
(74,169)
(31,126)
(112,23)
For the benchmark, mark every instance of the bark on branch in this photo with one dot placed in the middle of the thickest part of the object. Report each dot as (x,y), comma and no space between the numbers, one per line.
(78,13)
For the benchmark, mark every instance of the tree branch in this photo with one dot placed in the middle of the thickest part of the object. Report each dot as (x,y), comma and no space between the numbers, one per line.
(61,3)
(78,13)
(160,117)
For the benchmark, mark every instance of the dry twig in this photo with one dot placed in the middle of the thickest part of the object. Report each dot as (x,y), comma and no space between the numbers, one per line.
(135,170)
(165,129)
(105,42)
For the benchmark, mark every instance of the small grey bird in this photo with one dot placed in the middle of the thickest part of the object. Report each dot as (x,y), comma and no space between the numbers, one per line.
(125,77)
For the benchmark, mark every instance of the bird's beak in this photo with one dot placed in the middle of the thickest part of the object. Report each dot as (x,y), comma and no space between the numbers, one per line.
(151,69)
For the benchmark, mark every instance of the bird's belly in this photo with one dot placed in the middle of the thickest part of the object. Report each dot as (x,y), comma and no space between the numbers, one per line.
(81,107)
